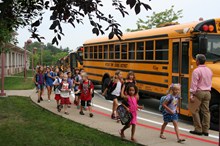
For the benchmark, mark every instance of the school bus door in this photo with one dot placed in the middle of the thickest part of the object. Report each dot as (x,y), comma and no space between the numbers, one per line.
(180,70)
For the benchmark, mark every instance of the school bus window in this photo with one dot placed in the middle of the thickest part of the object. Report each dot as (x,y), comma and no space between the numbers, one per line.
(105,51)
(117,52)
(111,52)
(124,51)
(140,51)
(91,53)
(86,52)
(175,57)
(100,52)
(162,49)
(149,50)
(131,50)
(95,52)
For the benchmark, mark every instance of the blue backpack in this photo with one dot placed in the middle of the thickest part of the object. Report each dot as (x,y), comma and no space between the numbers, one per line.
(162,99)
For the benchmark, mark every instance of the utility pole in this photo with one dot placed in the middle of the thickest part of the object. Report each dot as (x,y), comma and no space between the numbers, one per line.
(2,94)
(33,52)
(25,57)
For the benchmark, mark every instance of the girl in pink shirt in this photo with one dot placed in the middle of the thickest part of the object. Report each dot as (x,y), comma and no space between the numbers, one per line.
(132,107)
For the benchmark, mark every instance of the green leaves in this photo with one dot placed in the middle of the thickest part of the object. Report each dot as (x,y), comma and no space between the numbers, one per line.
(24,12)
(54,24)
(160,19)
(137,8)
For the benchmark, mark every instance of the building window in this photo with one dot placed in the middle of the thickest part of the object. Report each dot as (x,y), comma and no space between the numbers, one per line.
(105,51)
(100,52)
(111,52)
(95,52)
(86,51)
(162,49)
(149,54)
(91,52)
(124,51)
(131,50)
(117,52)
(140,51)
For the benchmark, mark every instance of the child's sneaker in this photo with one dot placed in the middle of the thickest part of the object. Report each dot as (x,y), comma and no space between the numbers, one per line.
(81,113)
(59,107)
(41,98)
(91,115)
(38,101)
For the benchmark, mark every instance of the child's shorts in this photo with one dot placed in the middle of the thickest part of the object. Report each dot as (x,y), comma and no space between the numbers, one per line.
(65,101)
(40,86)
(167,117)
(85,103)
(57,97)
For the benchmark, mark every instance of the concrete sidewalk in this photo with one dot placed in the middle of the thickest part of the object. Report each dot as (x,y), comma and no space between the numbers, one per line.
(28,93)
(146,134)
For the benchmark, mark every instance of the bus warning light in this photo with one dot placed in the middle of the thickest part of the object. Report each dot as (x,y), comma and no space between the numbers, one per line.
(205,27)
(211,28)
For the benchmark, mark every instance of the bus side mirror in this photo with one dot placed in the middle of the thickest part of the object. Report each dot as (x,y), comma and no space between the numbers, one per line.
(203,45)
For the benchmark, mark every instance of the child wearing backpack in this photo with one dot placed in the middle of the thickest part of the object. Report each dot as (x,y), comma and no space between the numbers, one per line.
(114,92)
(56,84)
(77,80)
(86,88)
(39,81)
(131,106)
(169,110)
(65,94)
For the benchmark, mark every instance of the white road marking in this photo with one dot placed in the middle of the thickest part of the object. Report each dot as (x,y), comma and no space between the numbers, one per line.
(154,122)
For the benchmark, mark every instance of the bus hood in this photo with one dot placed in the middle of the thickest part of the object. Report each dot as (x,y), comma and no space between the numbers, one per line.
(215,69)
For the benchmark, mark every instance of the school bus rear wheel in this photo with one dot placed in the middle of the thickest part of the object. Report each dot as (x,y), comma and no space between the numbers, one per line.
(214,111)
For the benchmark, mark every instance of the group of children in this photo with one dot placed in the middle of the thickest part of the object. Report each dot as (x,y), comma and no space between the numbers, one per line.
(114,89)
(65,85)
(127,91)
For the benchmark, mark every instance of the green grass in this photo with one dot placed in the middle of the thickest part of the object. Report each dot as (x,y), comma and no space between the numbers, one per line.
(23,123)
(21,74)
(18,83)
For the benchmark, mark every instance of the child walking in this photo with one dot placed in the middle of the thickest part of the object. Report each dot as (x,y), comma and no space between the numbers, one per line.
(39,81)
(170,111)
(56,84)
(49,78)
(65,93)
(130,103)
(86,89)
(115,92)
(77,80)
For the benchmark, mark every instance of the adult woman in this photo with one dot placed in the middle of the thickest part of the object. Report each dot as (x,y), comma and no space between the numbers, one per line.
(49,78)
(114,92)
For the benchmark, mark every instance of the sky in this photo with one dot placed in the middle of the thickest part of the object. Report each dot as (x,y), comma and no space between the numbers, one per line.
(74,37)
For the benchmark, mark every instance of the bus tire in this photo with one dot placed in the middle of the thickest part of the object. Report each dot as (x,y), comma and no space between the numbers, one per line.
(214,112)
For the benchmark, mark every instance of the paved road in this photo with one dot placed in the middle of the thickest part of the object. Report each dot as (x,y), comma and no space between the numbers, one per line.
(148,127)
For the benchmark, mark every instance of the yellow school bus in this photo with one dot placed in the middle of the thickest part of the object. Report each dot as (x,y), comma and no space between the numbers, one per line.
(159,57)
(73,60)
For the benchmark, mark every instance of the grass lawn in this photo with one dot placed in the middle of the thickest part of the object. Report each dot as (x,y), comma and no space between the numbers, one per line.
(29,74)
(22,123)
(18,83)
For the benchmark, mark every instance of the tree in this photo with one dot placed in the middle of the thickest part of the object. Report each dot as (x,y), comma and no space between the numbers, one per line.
(50,54)
(161,19)
(18,13)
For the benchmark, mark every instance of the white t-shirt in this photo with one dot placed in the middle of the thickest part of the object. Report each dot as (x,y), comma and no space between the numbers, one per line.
(57,81)
(65,94)
(117,91)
